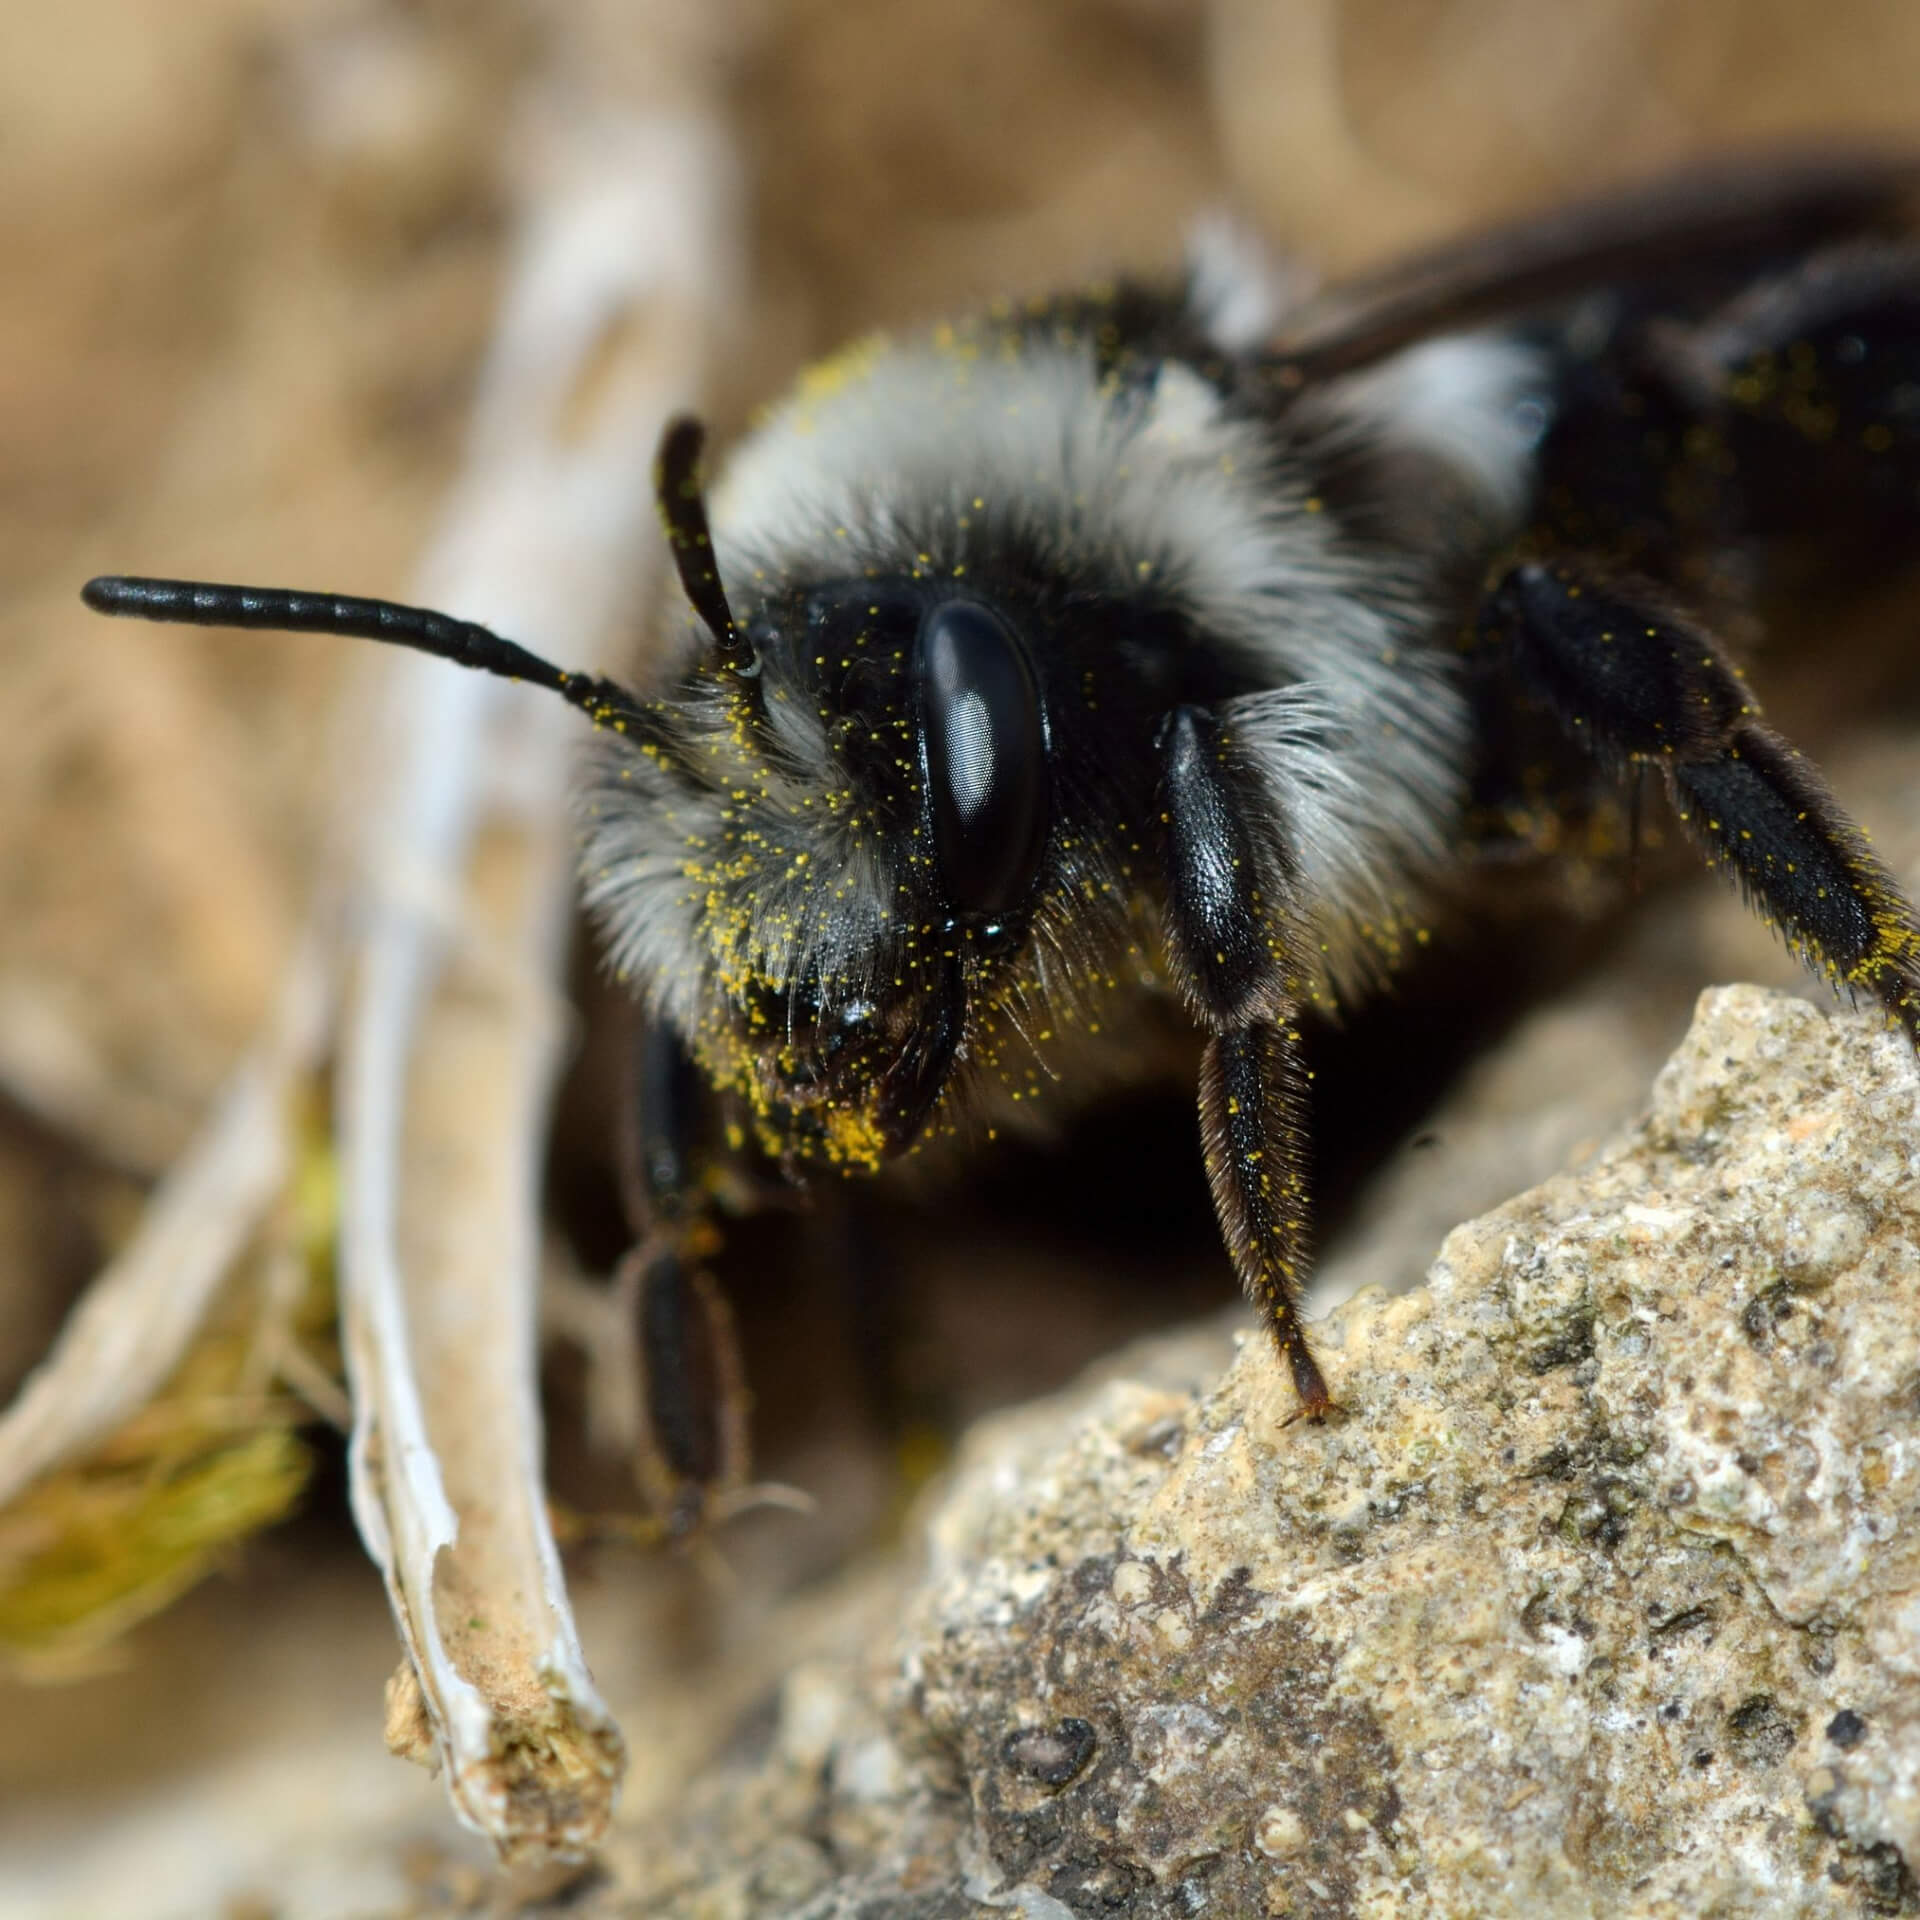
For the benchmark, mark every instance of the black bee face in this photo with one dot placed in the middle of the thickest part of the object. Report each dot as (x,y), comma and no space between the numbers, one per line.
(848,844)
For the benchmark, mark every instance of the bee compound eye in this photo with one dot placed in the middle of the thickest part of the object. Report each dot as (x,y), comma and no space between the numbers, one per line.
(984,741)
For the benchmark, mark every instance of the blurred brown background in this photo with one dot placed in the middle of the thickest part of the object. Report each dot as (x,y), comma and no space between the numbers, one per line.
(252,247)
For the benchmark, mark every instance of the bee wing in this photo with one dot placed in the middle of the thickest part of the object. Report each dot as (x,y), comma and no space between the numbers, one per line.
(1708,219)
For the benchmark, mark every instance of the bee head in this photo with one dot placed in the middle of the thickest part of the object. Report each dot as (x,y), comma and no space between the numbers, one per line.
(814,869)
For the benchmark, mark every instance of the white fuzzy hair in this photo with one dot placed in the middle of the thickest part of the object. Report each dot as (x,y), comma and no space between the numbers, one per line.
(1361,739)
(1237,288)
(637,823)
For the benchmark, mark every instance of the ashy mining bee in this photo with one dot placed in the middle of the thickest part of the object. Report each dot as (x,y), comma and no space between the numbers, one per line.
(1135,642)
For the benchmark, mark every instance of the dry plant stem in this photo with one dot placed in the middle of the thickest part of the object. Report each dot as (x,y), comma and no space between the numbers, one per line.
(623,272)
(144,1311)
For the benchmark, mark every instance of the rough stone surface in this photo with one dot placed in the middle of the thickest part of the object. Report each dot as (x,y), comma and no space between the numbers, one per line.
(1597,1597)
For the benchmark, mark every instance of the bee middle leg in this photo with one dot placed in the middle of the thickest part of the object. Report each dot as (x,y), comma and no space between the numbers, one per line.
(1226,888)
(693,1440)
(1640,683)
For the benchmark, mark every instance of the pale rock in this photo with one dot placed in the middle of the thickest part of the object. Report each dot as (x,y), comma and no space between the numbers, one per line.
(1596,1597)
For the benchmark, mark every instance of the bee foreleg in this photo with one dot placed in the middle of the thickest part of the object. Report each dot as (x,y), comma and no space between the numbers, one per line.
(1227,881)
(1253,1133)
(1639,683)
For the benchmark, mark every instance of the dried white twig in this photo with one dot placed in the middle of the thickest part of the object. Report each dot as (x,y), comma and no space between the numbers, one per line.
(445,1075)
(141,1314)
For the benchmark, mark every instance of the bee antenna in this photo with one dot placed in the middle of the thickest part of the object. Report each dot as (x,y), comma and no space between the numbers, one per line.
(201,603)
(683,512)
